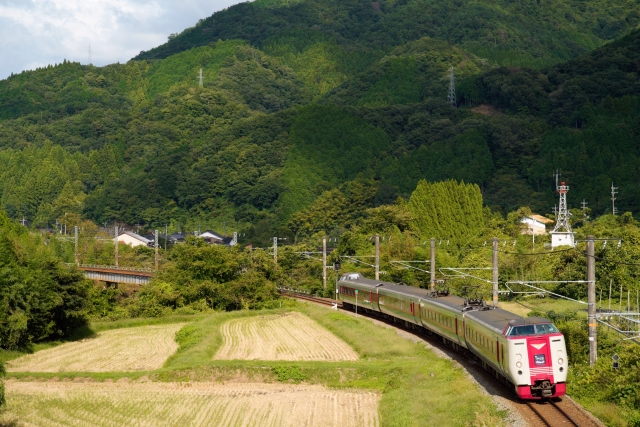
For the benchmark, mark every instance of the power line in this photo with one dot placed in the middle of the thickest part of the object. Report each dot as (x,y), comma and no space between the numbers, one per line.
(537,253)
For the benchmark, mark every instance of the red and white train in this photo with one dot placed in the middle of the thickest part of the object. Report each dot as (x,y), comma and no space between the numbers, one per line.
(529,353)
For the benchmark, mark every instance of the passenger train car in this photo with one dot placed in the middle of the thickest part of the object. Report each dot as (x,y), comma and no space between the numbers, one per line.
(529,353)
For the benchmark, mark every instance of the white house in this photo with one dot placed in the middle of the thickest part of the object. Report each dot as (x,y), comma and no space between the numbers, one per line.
(132,239)
(535,224)
(211,237)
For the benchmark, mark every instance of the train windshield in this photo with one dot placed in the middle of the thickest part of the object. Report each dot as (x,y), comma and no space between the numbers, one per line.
(542,329)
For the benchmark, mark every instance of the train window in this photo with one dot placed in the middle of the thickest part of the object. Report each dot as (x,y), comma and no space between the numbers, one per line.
(517,331)
(546,328)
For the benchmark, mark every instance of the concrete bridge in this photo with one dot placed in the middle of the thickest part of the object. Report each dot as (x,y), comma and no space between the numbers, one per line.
(112,275)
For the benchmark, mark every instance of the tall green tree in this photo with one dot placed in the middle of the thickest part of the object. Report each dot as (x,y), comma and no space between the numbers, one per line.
(446,210)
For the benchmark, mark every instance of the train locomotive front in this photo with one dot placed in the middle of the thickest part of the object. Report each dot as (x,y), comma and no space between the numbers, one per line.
(537,358)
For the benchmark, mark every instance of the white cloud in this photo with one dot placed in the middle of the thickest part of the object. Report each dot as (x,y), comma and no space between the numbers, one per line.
(34,33)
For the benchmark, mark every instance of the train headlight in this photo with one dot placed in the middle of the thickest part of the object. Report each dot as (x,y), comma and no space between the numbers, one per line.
(519,364)
(560,361)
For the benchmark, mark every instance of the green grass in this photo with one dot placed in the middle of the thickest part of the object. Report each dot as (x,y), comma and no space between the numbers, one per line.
(417,387)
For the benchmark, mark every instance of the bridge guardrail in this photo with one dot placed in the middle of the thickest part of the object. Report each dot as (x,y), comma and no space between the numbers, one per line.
(111,267)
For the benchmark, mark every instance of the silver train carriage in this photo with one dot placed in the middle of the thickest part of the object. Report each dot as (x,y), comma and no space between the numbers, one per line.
(529,353)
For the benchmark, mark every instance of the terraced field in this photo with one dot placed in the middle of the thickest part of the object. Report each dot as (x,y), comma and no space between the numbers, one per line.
(188,404)
(123,350)
(291,336)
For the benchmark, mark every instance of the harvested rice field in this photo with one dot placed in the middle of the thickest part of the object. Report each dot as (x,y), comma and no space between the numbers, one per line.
(123,350)
(291,336)
(79,404)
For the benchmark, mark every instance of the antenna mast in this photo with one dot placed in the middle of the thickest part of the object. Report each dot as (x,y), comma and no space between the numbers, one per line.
(613,199)
(451,99)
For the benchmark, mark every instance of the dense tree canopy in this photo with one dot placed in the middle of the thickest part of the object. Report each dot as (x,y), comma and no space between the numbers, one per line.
(295,109)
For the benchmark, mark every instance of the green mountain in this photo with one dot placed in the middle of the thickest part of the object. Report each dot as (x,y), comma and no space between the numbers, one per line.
(311,104)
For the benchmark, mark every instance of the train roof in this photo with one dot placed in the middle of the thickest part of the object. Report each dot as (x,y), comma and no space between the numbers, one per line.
(529,321)
(496,319)
(451,301)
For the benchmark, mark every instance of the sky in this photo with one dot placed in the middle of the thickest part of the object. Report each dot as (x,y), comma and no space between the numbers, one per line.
(35,33)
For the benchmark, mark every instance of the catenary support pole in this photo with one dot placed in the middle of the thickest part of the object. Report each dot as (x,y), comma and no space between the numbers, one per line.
(620,305)
(156,248)
(494,272)
(115,244)
(324,265)
(433,264)
(377,257)
(591,300)
(75,239)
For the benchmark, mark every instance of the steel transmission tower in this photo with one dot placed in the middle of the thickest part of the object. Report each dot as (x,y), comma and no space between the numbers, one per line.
(562,235)
(451,99)
(614,210)
(201,79)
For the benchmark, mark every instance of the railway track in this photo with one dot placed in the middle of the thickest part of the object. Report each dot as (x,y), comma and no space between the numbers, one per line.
(551,414)
(546,413)
(307,297)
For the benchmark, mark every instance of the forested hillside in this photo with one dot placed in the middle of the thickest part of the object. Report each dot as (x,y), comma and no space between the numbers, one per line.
(312,112)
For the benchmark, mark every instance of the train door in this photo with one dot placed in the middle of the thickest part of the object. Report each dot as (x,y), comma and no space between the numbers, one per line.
(415,311)
(374,298)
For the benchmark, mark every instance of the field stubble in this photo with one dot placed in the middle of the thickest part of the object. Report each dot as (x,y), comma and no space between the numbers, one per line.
(193,404)
(124,350)
(288,337)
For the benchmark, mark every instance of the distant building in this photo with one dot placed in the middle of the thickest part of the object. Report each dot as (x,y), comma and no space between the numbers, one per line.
(535,224)
(132,239)
(213,238)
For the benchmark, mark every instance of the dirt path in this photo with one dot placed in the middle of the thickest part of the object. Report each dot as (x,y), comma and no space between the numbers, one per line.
(194,404)
(124,350)
(291,336)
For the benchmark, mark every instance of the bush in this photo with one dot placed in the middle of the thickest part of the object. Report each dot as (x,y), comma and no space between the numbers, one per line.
(289,373)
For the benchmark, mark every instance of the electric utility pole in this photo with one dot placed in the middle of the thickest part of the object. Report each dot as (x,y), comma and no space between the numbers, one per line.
(494,272)
(591,300)
(377,267)
(324,264)
(115,243)
(75,238)
(433,264)
(156,248)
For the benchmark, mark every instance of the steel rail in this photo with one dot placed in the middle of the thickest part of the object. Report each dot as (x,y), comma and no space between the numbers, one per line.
(545,418)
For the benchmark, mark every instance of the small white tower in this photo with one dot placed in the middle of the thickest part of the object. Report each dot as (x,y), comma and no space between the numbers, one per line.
(562,235)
